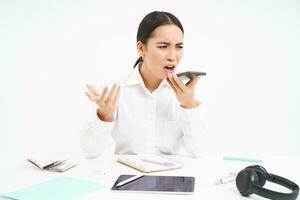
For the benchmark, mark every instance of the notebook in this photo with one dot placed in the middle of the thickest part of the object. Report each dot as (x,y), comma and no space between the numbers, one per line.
(52,163)
(147,163)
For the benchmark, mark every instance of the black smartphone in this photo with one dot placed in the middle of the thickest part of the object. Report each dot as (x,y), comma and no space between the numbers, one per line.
(190,74)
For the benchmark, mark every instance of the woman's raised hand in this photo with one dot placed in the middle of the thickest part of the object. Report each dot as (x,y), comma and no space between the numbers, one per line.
(107,101)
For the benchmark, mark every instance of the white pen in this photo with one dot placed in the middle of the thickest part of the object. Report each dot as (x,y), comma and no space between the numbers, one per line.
(231,177)
(129,180)
(169,164)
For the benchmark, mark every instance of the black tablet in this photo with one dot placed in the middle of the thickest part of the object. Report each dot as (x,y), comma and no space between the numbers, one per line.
(155,184)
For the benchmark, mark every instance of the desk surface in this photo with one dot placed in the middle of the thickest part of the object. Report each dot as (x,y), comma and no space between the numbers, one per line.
(17,173)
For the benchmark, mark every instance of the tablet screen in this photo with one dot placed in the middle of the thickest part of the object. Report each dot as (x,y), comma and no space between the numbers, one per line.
(165,184)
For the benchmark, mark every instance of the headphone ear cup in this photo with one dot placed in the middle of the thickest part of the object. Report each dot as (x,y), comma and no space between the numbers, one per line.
(261,173)
(245,181)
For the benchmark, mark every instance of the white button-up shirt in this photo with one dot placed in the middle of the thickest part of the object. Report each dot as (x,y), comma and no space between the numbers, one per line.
(147,123)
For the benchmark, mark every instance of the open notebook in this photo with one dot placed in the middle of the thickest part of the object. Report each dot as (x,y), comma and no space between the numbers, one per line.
(149,163)
(52,163)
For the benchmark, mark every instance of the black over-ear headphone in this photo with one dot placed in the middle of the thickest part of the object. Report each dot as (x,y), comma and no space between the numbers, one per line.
(252,179)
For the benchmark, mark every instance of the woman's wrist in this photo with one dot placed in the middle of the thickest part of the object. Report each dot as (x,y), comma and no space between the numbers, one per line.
(103,117)
(190,105)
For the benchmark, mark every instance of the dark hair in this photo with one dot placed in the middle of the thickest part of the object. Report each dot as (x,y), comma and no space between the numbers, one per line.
(150,22)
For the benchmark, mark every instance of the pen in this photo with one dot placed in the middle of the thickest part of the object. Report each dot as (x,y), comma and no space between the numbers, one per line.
(231,177)
(52,164)
(129,180)
(242,159)
(169,164)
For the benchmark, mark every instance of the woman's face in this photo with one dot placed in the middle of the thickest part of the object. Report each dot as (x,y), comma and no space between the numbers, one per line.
(163,51)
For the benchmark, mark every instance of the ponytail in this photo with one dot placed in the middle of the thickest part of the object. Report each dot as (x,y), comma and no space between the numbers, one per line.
(140,59)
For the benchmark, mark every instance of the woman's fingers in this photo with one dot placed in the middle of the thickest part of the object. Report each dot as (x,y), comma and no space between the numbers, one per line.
(111,93)
(93,90)
(178,82)
(90,96)
(106,97)
(185,93)
(104,94)
(116,97)
(192,82)
(174,84)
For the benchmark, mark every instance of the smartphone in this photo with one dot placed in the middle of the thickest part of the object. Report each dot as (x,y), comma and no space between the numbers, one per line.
(190,74)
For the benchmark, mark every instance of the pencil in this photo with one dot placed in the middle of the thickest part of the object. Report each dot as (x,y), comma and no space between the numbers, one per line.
(242,159)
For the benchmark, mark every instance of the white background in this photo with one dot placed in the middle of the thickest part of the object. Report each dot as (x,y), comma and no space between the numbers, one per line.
(49,51)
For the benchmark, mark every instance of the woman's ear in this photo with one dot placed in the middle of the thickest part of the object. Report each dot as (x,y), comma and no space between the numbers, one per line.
(140,48)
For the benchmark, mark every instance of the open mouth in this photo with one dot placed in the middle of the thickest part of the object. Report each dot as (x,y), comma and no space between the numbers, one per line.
(169,69)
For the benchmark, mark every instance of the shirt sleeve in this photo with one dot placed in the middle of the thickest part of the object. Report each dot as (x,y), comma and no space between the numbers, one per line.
(94,136)
(193,124)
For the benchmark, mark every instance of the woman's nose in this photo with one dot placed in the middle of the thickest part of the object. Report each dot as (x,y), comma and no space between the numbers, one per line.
(171,55)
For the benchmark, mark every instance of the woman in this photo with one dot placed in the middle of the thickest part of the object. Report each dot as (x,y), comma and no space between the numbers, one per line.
(152,111)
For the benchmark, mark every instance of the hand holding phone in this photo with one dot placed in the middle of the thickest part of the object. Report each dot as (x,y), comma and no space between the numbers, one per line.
(190,74)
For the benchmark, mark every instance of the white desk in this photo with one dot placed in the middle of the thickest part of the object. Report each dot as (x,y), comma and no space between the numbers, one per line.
(16,173)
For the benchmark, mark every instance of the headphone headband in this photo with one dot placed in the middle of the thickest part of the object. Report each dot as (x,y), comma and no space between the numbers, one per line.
(283,182)
(248,182)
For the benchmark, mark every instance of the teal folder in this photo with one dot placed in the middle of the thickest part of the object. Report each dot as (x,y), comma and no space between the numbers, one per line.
(61,188)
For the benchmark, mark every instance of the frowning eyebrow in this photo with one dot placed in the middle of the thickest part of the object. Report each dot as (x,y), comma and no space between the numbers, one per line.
(167,43)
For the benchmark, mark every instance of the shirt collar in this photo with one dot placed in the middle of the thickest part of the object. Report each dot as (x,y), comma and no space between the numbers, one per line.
(135,78)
